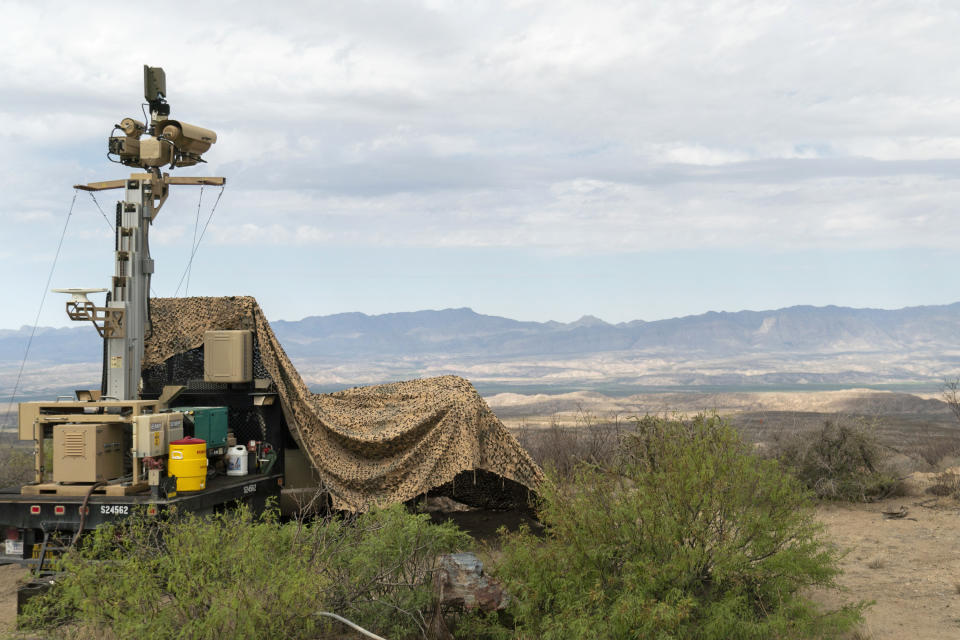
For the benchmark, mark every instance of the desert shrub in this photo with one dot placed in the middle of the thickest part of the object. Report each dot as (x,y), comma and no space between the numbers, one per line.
(562,448)
(940,446)
(946,483)
(687,535)
(842,461)
(951,395)
(235,575)
(16,466)
(934,449)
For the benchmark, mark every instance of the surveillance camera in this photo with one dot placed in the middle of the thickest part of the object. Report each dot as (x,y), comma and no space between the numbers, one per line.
(131,127)
(187,138)
(167,142)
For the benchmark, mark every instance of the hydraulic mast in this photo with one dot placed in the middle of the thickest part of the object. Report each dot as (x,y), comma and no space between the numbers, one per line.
(130,290)
(124,321)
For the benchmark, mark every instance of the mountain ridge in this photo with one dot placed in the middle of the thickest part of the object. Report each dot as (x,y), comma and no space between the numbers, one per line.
(828,329)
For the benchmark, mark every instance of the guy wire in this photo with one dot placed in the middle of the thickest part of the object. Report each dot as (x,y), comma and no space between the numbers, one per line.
(199,240)
(109,224)
(43,298)
(196,225)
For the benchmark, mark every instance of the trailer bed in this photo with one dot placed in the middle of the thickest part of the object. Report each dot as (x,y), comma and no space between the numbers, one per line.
(61,513)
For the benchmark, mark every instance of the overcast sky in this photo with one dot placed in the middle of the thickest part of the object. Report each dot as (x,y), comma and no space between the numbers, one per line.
(538,160)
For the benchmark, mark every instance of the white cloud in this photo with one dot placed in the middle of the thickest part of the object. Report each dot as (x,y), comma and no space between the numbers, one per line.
(903,148)
(170,234)
(33,216)
(571,126)
(586,215)
(701,155)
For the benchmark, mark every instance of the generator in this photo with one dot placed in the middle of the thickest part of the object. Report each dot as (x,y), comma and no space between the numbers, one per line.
(87,452)
(208,424)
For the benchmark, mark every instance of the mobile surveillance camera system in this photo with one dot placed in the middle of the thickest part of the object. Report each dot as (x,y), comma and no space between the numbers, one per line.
(164,141)
(123,321)
(121,447)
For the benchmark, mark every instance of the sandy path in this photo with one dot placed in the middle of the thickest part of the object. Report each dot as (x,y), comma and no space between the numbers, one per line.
(10,575)
(910,567)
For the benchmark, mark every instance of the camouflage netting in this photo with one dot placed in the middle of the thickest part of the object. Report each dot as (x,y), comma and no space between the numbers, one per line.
(379,444)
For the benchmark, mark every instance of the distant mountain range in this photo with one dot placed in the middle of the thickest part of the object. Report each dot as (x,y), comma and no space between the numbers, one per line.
(800,329)
(465,333)
(67,345)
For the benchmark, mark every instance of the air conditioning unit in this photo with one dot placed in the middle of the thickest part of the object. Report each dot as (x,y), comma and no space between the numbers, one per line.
(228,356)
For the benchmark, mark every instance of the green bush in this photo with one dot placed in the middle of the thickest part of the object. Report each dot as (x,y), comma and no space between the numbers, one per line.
(687,535)
(234,575)
(843,461)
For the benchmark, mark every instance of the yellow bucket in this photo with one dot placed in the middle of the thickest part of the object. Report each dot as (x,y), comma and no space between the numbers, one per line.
(188,462)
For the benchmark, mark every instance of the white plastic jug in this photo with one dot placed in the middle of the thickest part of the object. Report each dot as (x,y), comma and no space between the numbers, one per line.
(237,461)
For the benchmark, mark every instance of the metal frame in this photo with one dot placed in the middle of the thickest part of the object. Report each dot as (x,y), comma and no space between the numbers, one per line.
(48,414)
(111,321)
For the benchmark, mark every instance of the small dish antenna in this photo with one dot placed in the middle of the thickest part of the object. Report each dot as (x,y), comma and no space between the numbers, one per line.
(79,295)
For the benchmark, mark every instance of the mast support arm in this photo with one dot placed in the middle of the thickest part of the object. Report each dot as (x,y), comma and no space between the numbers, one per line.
(167,180)
(159,186)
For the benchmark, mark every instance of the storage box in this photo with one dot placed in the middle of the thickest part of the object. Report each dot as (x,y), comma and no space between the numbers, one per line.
(228,356)
(174,426)
(155,432)
(209,424)
(150,435)
(87,452)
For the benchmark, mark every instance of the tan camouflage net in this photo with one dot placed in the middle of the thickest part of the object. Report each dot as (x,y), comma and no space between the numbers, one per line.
(370,445)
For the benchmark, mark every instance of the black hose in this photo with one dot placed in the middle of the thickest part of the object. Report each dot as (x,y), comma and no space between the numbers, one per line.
(83,510)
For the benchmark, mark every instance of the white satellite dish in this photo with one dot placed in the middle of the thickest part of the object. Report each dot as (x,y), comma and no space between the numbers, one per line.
(79,295)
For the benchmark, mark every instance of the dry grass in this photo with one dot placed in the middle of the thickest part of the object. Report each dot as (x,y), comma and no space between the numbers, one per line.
(863,633)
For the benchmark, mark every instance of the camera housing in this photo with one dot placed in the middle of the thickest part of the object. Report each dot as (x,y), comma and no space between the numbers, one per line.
(189,139)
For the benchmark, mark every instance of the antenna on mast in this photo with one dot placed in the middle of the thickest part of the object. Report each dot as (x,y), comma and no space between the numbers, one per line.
(155,89)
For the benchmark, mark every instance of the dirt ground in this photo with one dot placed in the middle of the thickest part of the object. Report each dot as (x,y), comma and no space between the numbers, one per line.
(10,574)
(910,567)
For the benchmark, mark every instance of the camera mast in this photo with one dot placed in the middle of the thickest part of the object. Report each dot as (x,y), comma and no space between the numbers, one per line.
(124,320)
